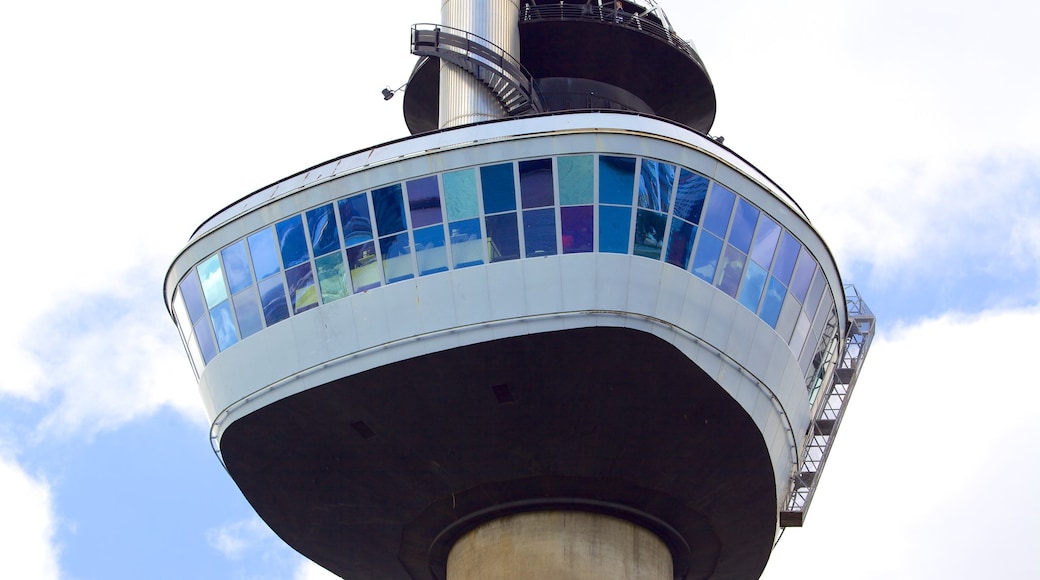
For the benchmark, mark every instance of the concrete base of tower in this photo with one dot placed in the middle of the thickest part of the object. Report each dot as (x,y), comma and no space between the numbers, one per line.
(559,545)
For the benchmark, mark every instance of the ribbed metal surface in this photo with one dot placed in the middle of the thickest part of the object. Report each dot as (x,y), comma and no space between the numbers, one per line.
(463,99)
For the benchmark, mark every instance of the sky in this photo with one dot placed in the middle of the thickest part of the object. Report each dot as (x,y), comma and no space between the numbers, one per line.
(909,131)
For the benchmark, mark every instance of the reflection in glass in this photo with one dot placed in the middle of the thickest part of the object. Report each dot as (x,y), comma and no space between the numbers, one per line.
(720,206)
(536,183)
(575,180)
(321,224)
(540,232)
(751,288)
(212,279)
(616,179)
(332,277)
(397,258)
(502,239)
(680,243)
(649,234)
(272,300)
(731,269)
(655,185)
(247,311)
(291,241)
(467,249)
(496,182)
(356,221)
(772,302)
(265,254)
(302,292)
(786,257)
(192,294)
(207,344)
(803,274)
(430,253)
(576,223)
(765,241)
(615,226)
(744,221)
(389,209)
(689,196)
(460,194)
(236,266)
(706,259)
(224,325)
(364,268)
(424,201)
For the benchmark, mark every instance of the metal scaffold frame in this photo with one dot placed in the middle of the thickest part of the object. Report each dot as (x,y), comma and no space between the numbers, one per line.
(831,410)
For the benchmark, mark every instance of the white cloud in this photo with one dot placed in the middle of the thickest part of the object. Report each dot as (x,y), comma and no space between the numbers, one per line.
(235,539)
(308,570)
(27,524)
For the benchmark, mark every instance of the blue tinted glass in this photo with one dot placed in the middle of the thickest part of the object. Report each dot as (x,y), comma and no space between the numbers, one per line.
(751,289)
(192,294)
(655,185)
(467,249)
(649,235)
(502,239)
(389,209)
(212,278)
(720,206)
(272,300)
(680,243)
(332,277)
(321,223)
(430,252)
(291,241)
(786,257)
(772,302)
(302,292)
(765,241)
(224,325)
(576,223)
(397,257)
(207,344)
(540,232)
(615,225)
(617,179)
(744,221)
(689,196)
(803,274)
(236,266)
(575,180)
(424,202)
(247,310)
(264,253)
(357,223)
(732,269)
(496,182)
(706,259)
(364,267)
(460,194)
(536,183)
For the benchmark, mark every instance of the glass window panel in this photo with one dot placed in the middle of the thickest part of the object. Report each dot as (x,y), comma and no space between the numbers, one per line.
(617,179)
(801,331)
(732,268)
(467,247)
(224,325)
(744,221)
(649,235)
(720,206)
(247,311)
(460,194)
(576,223)
(192,293)
(575,180)
(207,343)
(194,353)
(615,225)
(502,239)
(321,224)
(397,257)
(212,278)
(303,294)
(536,183)
(430,253)
(389,209)
(332,277)
(803,274)
(689,196)
(680,243)
(706,259)
(424,202)
(180,314)
(751,288)
(498,188)
(773,301)
(272,300)
(540,232)
(655,185)
(786,257)
(364,267)
(815,291)
(292,242)
(236,266)
(264,253)
(356,220)
(766,236)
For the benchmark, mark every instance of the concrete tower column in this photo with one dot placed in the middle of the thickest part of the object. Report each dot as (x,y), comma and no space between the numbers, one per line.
(559,545)
(463,99)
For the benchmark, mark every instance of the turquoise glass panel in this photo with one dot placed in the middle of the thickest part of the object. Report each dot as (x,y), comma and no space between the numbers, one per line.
(332,277)
(389,209)
(467,247)
(540,232)
(212,278)
(689,196)
(772,302)
(680,243)
(766,236)
(617,179)
(424,202)
(272,300)
(786,256)
(575,180)
(655,185)
(536,183)
(720,207)
(649,235)
(744,221)
(236,266)
(364,267)
(292,242)
(576,224)
(192,293)
(460,194)
(751,288)
(303,294)
(430,253)
(207,343)
(615,226)
(355,220)
(499,191)
(264,253)
(247,311)
(732,269)
(803,273)
(321,224)
(224,325)
(503,241)
(397,258)
(706,258)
